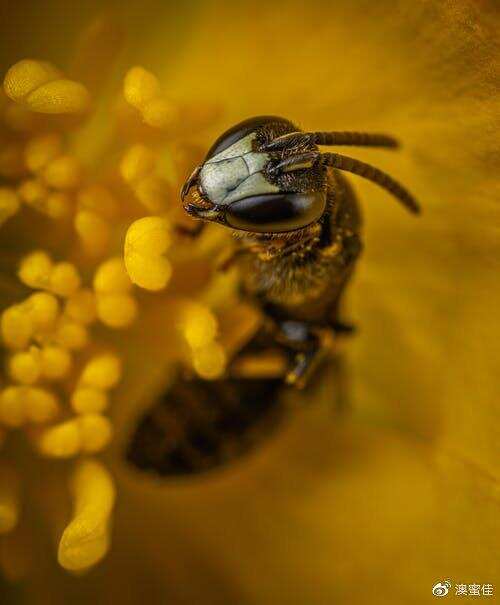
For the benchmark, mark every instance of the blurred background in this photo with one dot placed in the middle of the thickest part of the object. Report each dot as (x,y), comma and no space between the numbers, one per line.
(401,490)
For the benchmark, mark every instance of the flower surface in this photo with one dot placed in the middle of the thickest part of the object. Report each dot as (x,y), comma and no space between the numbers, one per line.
(372,502)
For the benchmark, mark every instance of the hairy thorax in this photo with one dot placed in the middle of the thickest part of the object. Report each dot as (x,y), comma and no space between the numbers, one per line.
(303,276)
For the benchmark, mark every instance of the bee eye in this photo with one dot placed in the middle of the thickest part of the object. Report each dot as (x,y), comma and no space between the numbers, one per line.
(241,130)
(276,212)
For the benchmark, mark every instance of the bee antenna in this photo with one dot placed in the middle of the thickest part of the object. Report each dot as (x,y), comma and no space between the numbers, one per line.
(343,162)
(361,139)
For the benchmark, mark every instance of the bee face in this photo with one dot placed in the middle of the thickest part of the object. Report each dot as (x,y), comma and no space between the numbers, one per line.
(236,185)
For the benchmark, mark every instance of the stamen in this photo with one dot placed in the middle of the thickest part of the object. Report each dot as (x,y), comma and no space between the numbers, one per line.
(56,362)
(88,433)
(9,204)
(116,308)
(21,404)
(25,367)
(42,150)
(81,306)
(9,499)
(41,87)
(94,232)
(145,244)
(86,539)
(209,361)
(100,374)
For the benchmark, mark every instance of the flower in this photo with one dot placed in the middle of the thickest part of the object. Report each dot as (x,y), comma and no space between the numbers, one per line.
(375,504)
(61,364)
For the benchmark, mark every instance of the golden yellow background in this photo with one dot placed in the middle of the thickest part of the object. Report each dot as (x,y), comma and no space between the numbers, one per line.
(377,504)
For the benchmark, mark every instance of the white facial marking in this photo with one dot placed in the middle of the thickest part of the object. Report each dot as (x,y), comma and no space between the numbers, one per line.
(235,173)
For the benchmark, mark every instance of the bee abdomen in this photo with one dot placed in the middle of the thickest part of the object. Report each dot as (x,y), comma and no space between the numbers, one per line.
(200,425)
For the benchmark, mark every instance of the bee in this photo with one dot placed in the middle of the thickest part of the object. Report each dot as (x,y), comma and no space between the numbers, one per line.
(298,229)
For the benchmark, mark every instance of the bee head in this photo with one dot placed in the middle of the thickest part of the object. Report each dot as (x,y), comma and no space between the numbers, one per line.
(236,185)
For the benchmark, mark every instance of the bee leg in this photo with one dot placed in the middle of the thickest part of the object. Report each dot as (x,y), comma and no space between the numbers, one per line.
(305,348)
(303,365)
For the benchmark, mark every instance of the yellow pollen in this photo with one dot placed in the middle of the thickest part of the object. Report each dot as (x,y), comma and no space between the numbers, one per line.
(9,204)
(197,324)
(116,310)
(35,270)
(16,327)
(63,440)
(111,277)
(27,75)
(102,372)
(161,113)
(153,192)
(34,193)
(88,433)
(71,334)
(12,406)
(86,539)
(64,279)
(209,361)
(96,432)
(43,310)
(64,172)
(140,87)
(41,150)
(97,199)
(51,333)
(94,232)
(137,163)
(58,205)
(81,306)
(87,400)
(41,87)
(146,242)
(56,362)
(21,404)
(26,367)
(40,404)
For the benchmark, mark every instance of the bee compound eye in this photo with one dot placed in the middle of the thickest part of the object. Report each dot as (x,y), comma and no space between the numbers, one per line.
(240,130)
(277,212)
